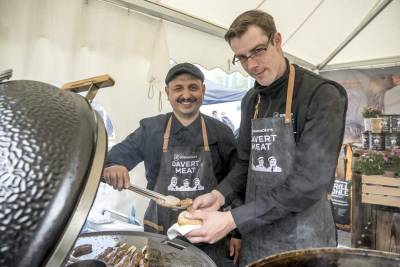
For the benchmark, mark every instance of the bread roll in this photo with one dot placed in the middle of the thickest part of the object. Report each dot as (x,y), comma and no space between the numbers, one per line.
(182,220)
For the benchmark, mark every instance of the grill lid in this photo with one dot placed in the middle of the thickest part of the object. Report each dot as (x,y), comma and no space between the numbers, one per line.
(51,142)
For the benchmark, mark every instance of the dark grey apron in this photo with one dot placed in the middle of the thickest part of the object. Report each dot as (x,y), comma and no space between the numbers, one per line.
(271,161)
(185,172)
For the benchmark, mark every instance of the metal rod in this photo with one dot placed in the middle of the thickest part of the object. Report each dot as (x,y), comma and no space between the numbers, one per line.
(146,192)
(369,63)
(260,4)
(303,22)
(355,32)
(142,191)
(169,14)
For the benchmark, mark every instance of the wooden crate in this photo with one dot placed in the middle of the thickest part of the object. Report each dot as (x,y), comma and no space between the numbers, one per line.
(380,190)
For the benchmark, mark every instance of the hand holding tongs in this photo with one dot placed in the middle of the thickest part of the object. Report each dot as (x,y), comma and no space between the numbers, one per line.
(160,199)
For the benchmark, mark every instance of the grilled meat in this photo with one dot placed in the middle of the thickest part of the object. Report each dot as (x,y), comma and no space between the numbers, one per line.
(82,250)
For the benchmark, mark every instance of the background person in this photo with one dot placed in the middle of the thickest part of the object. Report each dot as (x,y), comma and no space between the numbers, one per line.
(227,121)
(215,115)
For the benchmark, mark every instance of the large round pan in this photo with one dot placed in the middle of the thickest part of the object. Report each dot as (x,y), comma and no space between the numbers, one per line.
(162,252)
(331,257)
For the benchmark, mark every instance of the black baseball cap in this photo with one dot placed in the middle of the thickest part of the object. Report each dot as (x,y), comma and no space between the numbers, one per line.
(184,68)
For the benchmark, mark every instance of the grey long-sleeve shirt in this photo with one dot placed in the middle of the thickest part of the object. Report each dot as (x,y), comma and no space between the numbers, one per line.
(319,121)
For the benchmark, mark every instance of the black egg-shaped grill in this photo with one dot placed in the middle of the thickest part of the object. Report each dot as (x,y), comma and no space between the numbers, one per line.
(52,150)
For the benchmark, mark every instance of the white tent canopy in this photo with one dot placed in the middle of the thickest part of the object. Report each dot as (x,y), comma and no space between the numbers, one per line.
(321,34)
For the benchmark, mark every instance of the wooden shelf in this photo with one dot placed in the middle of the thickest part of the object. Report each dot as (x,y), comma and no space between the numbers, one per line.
(380,190)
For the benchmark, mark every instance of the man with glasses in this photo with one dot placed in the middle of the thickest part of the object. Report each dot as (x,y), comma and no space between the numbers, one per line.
(294,116)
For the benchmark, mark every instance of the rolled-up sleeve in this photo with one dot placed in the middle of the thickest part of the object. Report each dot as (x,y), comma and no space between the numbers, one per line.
(314,164)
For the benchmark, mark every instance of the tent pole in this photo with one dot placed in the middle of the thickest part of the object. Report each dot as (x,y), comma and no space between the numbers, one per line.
(355,32)
(370,63)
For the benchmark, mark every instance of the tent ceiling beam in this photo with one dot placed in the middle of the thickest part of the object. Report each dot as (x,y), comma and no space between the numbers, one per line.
(299,61)
(162,12)
(168,14)
(260,4)
(380,62)
(355,32)
(304,21)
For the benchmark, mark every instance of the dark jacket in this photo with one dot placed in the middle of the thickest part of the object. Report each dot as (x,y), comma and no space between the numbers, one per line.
(319,110)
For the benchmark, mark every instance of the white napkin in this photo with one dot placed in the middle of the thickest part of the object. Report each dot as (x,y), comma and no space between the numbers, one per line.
(176,230)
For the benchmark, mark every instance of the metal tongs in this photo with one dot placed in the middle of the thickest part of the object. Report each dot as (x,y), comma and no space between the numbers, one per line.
(160,199)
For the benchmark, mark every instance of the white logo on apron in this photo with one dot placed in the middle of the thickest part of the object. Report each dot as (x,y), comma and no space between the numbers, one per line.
(260,167)
(273,165)
(185,164)
(262,140)
(173,186)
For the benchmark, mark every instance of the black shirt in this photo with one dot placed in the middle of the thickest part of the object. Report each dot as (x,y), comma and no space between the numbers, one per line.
(319,120)
(145,144)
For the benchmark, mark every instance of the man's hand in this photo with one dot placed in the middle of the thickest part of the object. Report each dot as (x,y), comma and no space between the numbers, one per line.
(117,176)
(209,202)
(234,248)
(215,226)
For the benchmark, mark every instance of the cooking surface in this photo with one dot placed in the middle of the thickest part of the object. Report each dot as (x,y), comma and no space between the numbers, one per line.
(162,252)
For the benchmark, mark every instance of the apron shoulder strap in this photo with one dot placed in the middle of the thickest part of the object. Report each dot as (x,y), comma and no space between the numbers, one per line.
(205,135)
(255,115)
(289,95)
(167,134)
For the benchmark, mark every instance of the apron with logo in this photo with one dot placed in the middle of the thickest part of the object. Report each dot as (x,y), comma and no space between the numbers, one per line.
(185,172)
(271,161)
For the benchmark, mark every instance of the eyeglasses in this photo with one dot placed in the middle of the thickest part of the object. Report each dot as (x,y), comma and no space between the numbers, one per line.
(255,53)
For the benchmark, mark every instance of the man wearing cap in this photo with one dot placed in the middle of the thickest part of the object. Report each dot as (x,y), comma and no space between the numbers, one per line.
(185,144)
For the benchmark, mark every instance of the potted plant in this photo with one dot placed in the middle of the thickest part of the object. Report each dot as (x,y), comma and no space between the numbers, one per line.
(371,163)
(368,114)
(392,164)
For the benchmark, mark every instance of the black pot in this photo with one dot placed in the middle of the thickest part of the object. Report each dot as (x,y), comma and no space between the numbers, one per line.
(331,257)
(52,151)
